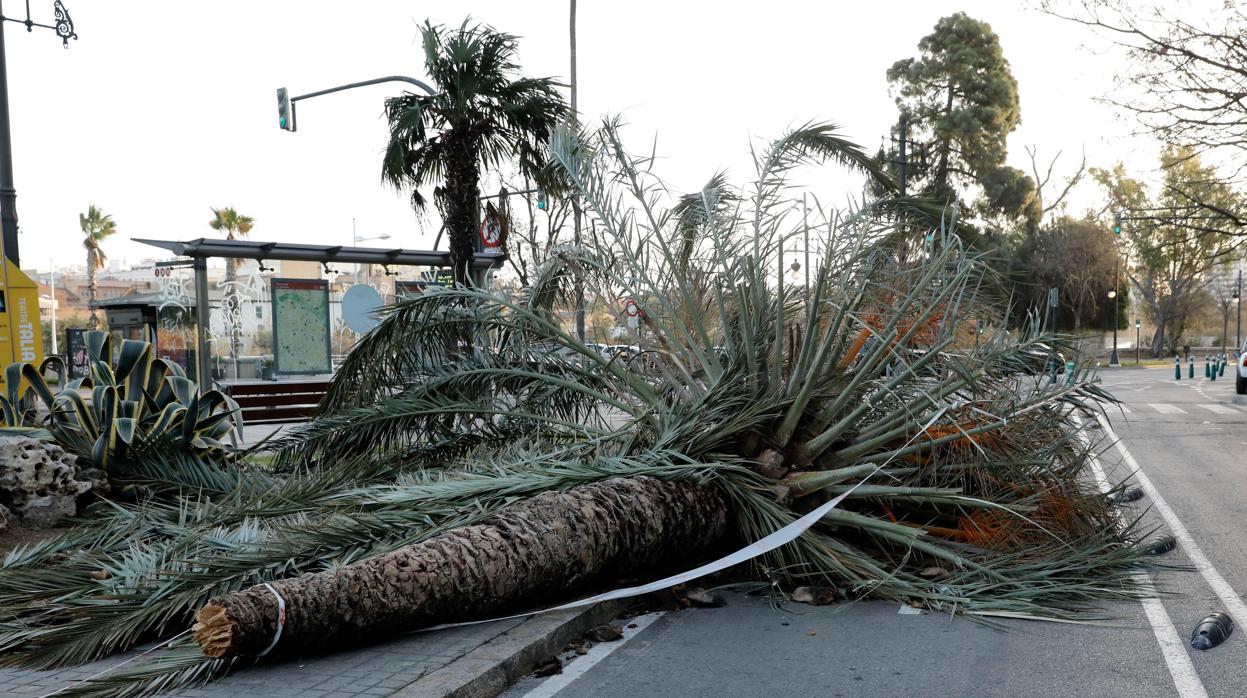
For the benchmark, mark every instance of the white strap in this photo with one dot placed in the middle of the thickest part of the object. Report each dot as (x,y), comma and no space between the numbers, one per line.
(281,619)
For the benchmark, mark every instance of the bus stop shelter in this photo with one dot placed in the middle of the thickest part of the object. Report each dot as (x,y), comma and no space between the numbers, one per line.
(198,252)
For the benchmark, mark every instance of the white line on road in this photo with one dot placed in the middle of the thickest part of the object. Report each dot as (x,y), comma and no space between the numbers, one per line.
(1166,408)
(1220,409)
(1185,678)
(596,653)
(1233,602)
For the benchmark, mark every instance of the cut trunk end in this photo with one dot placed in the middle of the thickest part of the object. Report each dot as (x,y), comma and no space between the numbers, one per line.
(214,631)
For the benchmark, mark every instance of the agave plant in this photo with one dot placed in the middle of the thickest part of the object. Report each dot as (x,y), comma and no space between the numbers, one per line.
(133,412)
(466,417)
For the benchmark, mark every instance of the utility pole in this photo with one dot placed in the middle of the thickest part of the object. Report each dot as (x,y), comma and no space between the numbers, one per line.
(580,284)
(1238,312)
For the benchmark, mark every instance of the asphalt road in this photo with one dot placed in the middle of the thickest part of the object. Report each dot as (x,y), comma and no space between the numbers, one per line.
(1190,443)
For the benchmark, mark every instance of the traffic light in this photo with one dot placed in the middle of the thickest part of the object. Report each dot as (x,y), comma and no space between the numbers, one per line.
(1117,224)
(285,110)
(541,200)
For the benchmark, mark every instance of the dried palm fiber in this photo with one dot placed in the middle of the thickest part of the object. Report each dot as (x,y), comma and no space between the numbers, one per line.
(541,548)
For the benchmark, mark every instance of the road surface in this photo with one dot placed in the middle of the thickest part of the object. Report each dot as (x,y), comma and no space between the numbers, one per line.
(1190,444)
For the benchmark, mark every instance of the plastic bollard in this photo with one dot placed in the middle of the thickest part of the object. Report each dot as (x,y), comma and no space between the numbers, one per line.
(1177,368)
(1190,363)
(1212,631)
(1223,363)
(1207,366)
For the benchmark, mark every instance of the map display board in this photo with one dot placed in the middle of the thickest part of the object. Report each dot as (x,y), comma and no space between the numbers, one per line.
(301,326)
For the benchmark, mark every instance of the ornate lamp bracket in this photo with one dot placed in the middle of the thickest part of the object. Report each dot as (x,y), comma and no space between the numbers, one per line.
(64,24)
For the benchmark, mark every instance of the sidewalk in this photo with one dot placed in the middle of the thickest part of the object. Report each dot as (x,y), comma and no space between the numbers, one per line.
(376,670)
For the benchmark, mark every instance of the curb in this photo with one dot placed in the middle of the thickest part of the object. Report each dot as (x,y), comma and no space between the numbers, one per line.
(489,669)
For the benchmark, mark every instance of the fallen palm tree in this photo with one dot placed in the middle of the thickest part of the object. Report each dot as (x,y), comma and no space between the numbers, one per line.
(539,548)
(474,458)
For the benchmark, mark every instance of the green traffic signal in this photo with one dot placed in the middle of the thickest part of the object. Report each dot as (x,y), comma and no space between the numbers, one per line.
(1117,224)
(285,110)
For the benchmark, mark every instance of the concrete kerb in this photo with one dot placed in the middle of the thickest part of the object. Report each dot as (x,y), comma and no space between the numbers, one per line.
(487,670)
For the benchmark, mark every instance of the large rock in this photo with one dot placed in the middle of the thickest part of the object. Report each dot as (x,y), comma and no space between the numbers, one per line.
(48,511)
(39,481)
(4,518)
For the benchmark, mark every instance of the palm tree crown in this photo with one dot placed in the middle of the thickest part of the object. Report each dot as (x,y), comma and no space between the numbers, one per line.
(485,114)
(96,226)
(233,223)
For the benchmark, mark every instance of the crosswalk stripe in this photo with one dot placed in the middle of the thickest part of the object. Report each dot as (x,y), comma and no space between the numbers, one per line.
(1166,408)
(1220,409)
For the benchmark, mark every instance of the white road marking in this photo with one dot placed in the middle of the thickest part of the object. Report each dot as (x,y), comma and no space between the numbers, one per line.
(1220,409)
(1185,679)
(1233,602)
(596,653)
(1166,408)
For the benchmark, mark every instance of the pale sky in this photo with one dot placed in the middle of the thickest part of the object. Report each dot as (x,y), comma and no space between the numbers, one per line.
(162,110)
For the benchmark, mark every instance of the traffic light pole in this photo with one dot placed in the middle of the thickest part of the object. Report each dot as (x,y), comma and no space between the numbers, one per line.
(320,93)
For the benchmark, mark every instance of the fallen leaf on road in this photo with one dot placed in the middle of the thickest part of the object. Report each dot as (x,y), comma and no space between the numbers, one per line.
(550,668)
(815,596)
(700,597)
(605,633)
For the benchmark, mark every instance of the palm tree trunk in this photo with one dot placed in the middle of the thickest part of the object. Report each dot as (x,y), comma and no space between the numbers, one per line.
(536,551)
(460,207)
(94,321)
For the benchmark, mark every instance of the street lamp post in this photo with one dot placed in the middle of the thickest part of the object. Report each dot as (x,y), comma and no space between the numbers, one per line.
(1238,312)
(1137,325)
(52,286)
(64,28)
(1112,359)
(356,239)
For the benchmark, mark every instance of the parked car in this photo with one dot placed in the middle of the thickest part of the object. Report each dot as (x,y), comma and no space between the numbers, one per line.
(1240,380)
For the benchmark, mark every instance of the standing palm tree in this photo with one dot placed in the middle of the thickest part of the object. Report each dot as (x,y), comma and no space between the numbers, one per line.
(96,226)
(485,114)
(235,226)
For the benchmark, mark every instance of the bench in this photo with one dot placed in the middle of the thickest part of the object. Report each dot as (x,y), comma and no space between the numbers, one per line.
(277,402)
